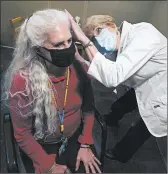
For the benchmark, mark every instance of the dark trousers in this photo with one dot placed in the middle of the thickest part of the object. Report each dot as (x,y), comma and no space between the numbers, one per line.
(137,133)
(68,158)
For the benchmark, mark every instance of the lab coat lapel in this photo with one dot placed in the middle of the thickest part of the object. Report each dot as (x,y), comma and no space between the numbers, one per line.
(125,29)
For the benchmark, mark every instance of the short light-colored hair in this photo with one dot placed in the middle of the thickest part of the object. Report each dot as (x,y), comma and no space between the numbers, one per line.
(97,20)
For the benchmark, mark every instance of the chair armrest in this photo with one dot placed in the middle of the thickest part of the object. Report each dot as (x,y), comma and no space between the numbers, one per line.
(12,166)
(101,121)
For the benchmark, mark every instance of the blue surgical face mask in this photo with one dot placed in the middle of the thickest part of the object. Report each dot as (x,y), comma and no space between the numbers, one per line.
(111,55)
(107,39)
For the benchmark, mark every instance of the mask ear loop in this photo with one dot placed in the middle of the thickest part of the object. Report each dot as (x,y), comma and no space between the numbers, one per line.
(40,57)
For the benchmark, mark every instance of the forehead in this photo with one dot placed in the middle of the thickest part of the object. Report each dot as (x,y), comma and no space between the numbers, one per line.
(60,34)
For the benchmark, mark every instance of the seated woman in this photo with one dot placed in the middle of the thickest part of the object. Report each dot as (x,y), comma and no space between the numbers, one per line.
(51,101)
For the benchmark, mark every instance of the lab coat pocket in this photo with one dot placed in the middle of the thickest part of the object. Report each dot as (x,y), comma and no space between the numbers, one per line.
(159,107)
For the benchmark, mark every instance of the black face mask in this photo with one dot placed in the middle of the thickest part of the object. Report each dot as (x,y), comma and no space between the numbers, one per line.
(61,58)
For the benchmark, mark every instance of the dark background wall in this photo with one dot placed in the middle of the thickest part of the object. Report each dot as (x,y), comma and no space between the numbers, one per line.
(132,11)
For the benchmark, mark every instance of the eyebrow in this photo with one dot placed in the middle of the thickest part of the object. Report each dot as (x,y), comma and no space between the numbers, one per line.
(59,43)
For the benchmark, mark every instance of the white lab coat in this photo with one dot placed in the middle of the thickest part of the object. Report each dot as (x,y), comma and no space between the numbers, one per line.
(142,64)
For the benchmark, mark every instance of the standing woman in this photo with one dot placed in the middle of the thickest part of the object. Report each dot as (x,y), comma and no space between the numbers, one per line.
(141,63)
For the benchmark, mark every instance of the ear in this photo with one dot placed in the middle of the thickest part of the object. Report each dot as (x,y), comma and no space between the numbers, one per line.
(112,25)
(113,28)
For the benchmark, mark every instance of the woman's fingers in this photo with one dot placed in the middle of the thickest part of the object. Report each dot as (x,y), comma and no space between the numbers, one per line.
(93,156)
(96,166)
(77,164)
(92,167)
(86,167)
(97,160)
(78,33)
(69,15)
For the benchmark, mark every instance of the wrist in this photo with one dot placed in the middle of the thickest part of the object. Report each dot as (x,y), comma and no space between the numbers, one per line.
(85,146)
(85,40)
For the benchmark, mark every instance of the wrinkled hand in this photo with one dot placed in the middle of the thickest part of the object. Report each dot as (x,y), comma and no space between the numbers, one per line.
(89,160)
(59,169)
(79,34)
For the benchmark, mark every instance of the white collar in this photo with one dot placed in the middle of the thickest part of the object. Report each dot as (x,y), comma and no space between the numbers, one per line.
(125,27)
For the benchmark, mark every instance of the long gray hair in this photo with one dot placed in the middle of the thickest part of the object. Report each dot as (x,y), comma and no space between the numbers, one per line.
(33,33)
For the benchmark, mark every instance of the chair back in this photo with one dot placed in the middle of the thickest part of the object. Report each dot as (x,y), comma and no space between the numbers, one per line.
(16,24)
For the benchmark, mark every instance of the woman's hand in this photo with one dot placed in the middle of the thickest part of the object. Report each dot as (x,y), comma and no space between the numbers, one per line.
(89,160)
(79,34)
(58,168)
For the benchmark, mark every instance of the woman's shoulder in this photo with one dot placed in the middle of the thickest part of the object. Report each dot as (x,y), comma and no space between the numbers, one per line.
(18,81)
(144,27)
(19,78)
(145,31)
